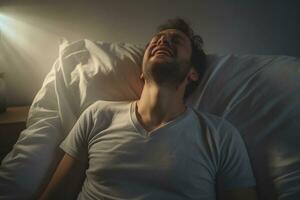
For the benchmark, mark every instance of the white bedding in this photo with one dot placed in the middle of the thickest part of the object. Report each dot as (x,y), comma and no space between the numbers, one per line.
(260,95)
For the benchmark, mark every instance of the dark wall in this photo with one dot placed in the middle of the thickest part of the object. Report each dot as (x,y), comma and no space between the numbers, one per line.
(31,30)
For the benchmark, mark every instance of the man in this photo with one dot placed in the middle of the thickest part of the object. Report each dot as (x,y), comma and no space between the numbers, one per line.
(156,147)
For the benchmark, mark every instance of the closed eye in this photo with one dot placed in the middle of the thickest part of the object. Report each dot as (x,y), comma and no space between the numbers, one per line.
(175,38)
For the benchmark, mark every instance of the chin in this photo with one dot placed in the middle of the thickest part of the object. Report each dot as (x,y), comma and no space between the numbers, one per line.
(161,62)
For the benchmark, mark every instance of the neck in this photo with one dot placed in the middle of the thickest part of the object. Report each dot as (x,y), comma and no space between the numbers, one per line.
(159,105)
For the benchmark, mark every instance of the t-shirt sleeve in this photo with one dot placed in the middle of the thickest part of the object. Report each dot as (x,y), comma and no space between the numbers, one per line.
(235,167)
(76,142)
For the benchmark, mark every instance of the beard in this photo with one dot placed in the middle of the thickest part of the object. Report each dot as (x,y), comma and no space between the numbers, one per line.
(166,73)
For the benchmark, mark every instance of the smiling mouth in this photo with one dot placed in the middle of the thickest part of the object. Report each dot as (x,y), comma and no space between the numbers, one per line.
(162,51)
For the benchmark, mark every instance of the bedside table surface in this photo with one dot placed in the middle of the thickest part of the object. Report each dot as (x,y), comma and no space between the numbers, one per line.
(14,115)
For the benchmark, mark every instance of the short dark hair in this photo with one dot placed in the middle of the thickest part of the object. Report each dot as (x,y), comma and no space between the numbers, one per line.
(198,58)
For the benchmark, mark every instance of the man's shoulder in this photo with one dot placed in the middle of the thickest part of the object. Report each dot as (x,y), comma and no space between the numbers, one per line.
(107,106)
(214,122)
(209,118)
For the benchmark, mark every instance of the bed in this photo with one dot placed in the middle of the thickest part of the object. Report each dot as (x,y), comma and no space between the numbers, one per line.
(259,95)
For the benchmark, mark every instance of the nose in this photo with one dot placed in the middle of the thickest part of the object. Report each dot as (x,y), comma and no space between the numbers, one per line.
(164,40)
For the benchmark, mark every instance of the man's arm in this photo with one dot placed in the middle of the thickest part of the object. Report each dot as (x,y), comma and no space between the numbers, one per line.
(240,194)
(60,176)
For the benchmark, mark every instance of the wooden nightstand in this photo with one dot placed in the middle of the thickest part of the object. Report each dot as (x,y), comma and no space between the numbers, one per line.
(12,122)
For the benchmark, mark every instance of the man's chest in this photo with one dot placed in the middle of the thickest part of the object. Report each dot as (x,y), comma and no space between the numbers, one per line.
(168,159)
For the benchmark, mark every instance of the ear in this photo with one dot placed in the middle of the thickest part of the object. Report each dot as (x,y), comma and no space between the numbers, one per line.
(193,75)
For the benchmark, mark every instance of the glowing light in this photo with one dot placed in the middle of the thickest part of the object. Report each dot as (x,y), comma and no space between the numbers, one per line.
(5,22)
(24,37)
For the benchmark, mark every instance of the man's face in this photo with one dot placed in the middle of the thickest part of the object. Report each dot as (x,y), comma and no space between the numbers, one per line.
(167,58)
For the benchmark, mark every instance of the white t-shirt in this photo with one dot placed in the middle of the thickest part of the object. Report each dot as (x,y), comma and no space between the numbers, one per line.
(179,160)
